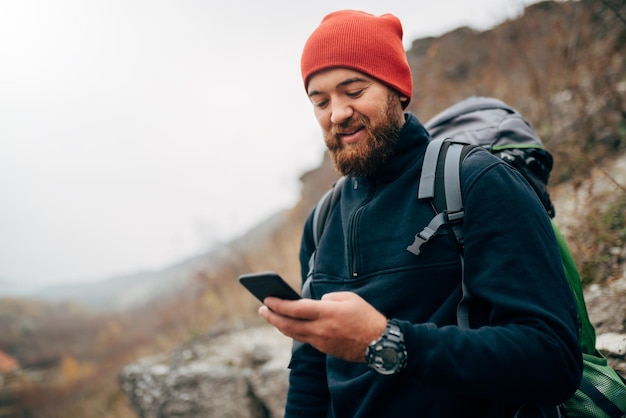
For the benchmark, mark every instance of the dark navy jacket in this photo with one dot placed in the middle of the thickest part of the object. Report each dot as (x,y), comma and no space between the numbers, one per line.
(523,345)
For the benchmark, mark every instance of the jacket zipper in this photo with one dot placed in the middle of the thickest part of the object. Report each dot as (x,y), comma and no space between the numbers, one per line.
(354,244)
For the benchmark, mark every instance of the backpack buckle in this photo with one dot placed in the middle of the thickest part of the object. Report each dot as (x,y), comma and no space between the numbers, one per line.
(421,238)
(445,218)
(428,232)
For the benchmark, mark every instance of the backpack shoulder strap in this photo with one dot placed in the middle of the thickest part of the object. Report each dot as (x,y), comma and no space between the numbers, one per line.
(322,209)
(320,218)
(440,183)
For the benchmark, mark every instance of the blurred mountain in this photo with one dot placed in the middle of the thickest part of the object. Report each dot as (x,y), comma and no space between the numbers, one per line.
(127,291)
(138,290)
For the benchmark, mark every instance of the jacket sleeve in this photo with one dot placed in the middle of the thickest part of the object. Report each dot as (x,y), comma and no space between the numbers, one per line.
(308,394)
(522,346)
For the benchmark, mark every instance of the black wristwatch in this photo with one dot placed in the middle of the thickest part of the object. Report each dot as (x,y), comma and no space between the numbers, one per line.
(387,355)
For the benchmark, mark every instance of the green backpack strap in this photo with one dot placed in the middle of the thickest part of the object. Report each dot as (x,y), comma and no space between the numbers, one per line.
(600,399)
(586,331)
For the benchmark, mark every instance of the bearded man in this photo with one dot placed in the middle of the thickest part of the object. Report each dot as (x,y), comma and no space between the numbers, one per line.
(379,336)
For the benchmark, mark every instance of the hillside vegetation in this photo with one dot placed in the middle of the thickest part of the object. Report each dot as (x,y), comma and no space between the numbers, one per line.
(562,64)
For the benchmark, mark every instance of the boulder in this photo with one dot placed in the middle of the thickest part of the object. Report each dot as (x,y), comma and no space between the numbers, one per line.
(242,374)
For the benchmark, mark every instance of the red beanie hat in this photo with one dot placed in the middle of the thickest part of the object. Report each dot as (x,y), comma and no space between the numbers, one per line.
(363,42)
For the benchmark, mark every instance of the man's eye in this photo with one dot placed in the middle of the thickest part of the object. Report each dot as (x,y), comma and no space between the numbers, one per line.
(355,93)
(320,103)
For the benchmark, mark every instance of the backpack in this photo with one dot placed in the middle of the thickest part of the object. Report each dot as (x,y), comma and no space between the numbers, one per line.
(488,123)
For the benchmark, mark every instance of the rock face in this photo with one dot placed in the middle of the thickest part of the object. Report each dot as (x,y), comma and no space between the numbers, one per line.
(237,375)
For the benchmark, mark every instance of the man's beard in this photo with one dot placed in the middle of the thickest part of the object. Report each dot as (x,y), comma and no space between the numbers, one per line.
(365,157)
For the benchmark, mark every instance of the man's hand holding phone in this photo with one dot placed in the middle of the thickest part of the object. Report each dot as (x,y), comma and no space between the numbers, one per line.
(341,324)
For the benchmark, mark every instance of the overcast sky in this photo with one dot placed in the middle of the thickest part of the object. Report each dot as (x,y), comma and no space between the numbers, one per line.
(137,133)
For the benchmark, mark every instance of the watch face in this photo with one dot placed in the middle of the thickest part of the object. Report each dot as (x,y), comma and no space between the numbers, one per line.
(386,360)
(390,358)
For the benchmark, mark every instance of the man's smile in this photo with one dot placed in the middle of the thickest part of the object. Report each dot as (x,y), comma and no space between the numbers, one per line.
(352,135)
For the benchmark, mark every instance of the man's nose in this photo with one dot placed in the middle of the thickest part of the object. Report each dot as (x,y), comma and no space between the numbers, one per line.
(340,112)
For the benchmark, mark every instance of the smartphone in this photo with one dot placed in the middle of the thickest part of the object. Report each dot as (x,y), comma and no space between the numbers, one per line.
(267,284)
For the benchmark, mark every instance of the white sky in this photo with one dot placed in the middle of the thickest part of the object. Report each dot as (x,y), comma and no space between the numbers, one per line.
(137,133)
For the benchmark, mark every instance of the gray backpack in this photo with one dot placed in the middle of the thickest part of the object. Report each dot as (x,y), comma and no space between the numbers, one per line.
(497,127)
